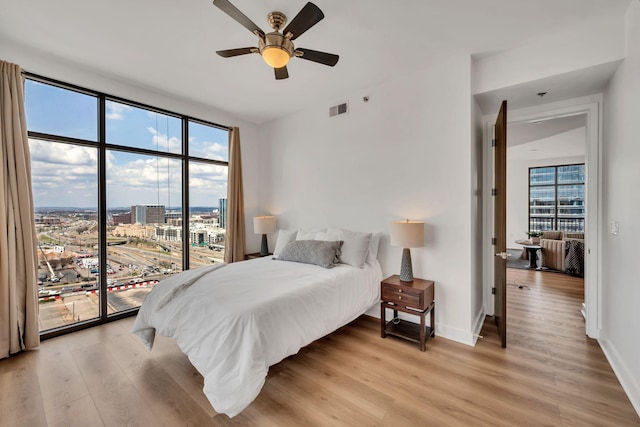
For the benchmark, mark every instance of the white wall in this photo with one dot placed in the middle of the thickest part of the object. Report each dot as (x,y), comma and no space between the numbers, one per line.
(620,334)
(403,154)
(593,43)
(41,63)
(519,160)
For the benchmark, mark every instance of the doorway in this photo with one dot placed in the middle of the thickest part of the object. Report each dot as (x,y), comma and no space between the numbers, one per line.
(546,163)
(561,116)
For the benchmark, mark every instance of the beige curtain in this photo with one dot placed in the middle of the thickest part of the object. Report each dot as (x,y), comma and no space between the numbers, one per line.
(18,259)
(235,239)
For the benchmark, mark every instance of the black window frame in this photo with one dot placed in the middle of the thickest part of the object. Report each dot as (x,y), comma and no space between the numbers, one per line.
(556,186)
(102,147)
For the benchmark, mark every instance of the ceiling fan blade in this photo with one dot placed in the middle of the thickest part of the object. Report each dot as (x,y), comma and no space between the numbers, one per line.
(240,17)
(235,52)
(281,73)
(320,57)
(309,16)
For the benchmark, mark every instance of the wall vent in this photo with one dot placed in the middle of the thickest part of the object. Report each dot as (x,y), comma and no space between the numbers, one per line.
(339,109)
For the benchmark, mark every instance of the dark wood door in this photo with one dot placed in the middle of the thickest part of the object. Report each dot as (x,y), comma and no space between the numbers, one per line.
(500,223)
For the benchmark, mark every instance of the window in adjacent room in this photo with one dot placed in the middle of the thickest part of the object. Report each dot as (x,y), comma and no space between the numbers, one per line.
(556,198)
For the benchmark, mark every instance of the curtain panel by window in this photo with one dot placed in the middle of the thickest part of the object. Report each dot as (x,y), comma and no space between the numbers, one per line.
(18,258)
(235,239)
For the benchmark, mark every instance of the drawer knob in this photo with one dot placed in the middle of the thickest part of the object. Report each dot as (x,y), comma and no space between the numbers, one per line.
(400,290)
(399,297)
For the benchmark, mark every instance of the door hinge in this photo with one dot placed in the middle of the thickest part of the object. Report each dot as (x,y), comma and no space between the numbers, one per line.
(493,291)
(493,142)
(494,192)
(493,241)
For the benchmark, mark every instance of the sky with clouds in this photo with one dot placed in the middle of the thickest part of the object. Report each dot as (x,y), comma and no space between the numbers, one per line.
(66,175)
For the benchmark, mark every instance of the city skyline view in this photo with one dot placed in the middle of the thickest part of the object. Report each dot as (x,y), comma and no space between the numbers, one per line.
(192,209)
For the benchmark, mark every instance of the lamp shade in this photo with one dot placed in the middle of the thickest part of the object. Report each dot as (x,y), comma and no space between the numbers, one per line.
(264,224)
(275,56)
(407,234)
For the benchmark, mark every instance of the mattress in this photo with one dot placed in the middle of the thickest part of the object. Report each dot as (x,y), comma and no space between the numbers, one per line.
(234,321)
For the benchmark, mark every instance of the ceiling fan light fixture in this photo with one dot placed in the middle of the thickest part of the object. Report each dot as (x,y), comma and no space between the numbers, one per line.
(276,49)
(275,56)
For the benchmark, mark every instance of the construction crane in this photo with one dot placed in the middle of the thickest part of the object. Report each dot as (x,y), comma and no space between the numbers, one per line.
(53,277)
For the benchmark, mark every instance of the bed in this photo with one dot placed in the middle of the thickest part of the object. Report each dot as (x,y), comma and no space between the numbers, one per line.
(234,321)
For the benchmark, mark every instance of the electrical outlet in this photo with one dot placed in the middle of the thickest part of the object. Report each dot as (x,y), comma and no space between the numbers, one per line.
(615,227)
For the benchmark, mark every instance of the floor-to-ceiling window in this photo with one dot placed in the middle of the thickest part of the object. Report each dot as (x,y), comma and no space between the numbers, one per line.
(125,195)
(556,198)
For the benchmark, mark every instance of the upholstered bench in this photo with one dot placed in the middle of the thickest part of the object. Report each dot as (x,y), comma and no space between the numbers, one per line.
(554,248)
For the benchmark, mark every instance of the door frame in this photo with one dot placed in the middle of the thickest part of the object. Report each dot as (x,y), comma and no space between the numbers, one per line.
(591,107)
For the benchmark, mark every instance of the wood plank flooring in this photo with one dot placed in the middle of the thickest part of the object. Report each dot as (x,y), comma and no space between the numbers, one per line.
(550,374)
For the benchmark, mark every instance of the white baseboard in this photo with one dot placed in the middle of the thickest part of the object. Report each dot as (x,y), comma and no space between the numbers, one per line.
(629,384)
(374,311)
(455,334)
(477,325)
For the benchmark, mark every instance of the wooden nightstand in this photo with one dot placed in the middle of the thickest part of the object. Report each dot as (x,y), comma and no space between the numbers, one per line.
(253,255)
(409,297)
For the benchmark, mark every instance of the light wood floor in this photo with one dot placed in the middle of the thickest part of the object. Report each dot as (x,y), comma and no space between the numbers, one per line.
(550,374)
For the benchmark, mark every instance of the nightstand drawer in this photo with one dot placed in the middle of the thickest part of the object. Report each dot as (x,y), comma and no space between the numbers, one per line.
(417,294)
(399,296)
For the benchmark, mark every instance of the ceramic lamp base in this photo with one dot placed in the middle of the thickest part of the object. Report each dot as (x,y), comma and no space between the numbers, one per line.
(264,249)
(406,269)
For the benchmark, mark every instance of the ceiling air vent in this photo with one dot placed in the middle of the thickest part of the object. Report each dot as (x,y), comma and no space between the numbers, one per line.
(339,109)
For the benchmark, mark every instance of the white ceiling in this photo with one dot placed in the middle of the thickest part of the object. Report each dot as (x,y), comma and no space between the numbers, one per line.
(169,45)
(523,133)
(587,81)
(567,144)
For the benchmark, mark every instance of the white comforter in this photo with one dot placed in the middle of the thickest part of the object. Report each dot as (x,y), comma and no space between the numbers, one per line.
(235,321)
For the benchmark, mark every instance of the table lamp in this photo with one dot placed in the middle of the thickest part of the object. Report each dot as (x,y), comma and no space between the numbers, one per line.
(264,225)
(407,234)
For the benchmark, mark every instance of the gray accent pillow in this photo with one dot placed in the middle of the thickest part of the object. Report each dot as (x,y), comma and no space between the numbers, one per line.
(314,252)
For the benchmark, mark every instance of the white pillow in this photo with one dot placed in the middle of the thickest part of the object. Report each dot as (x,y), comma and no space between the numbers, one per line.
(330,235)
(307,234)
(374,243)
(355,247)
(284,237)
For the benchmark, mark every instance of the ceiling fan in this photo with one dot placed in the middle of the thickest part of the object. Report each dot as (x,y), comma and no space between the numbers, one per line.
(276,48)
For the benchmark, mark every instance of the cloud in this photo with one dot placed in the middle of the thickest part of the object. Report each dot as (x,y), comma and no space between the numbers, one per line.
(67,175)
(64,177)
(204,172)
(115,111)
(72,155)
(209,150)
(172,145)
(149,180)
